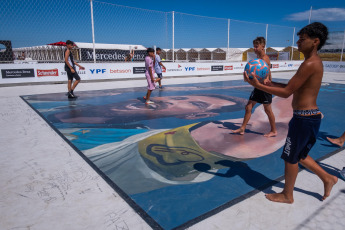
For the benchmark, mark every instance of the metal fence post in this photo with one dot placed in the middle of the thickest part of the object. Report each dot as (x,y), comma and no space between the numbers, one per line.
(293,42)
(173,36)
(93,33)
(266,37)
(342,49)
(227,53)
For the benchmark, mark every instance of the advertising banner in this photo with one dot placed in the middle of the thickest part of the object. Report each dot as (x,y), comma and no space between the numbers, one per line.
(17,73)
(47,72)
(329,66)
(42,72)
(217,68)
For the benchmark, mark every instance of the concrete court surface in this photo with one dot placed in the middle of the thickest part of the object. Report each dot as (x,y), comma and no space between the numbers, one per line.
(45,184)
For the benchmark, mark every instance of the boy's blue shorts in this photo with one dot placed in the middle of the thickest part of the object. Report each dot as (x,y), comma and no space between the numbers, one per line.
(303,130)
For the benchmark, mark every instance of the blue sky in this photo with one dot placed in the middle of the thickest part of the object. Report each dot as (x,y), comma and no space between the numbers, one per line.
(267,12)
(39,22)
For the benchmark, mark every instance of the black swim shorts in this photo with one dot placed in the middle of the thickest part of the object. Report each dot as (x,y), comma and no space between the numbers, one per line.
(71,75)
(303,130)
(261,97)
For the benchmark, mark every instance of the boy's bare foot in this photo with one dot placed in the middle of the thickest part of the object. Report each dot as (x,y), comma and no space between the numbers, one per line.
(279,197)
(270,134)
(239,131)
(328,186)
(336,141)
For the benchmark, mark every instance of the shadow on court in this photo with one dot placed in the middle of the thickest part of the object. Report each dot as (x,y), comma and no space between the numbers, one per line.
(253,178)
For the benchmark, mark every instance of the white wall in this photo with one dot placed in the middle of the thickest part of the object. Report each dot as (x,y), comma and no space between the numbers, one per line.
(39,72)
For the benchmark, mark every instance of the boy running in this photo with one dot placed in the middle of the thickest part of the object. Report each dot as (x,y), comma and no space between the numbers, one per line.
(258,96)
(305,123)
(70,69)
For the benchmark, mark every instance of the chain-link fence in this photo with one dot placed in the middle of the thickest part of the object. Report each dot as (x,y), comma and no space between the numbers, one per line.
(334,47)
(35,31)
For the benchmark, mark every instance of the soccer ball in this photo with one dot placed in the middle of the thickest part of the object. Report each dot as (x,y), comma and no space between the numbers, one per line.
(259,67)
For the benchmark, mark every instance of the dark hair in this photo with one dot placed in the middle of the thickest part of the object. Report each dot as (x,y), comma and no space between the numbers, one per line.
(69,42)
(150,50)
(259,40)
(315,30)
(158,49)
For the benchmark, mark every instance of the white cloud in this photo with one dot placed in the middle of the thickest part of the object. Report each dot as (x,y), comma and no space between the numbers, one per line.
(323,14)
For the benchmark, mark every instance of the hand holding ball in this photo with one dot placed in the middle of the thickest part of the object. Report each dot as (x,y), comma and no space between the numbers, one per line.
(259,67)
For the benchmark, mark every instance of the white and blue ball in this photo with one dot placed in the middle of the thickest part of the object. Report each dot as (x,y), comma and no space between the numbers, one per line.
(259,67)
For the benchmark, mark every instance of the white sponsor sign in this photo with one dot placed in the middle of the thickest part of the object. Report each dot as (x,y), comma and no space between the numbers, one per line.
(329,66)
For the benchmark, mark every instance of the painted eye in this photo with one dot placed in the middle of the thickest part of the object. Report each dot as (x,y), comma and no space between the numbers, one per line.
(200,104)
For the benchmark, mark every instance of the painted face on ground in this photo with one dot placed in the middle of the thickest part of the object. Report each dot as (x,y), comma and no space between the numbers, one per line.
(184,107)
(177,104)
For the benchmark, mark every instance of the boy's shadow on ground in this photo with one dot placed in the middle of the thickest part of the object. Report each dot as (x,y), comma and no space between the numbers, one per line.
(233,126)
(328,168)
(253,178)
(323,137)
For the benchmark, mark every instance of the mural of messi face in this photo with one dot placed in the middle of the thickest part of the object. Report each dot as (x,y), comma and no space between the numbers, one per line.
(134,110)
(168,157)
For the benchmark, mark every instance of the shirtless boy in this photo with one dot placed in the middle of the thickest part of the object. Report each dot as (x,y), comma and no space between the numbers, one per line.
(259,96)
(305,123)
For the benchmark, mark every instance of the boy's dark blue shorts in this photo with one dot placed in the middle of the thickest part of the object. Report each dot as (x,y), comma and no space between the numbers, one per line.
(303,130)
(159,75)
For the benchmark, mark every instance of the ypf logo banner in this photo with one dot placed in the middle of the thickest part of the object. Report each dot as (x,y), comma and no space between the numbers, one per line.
(189,68)
(98,71)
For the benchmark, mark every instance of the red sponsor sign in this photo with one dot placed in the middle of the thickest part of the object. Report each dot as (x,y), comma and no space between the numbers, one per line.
(275,65)
(229,67)
(47,72)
